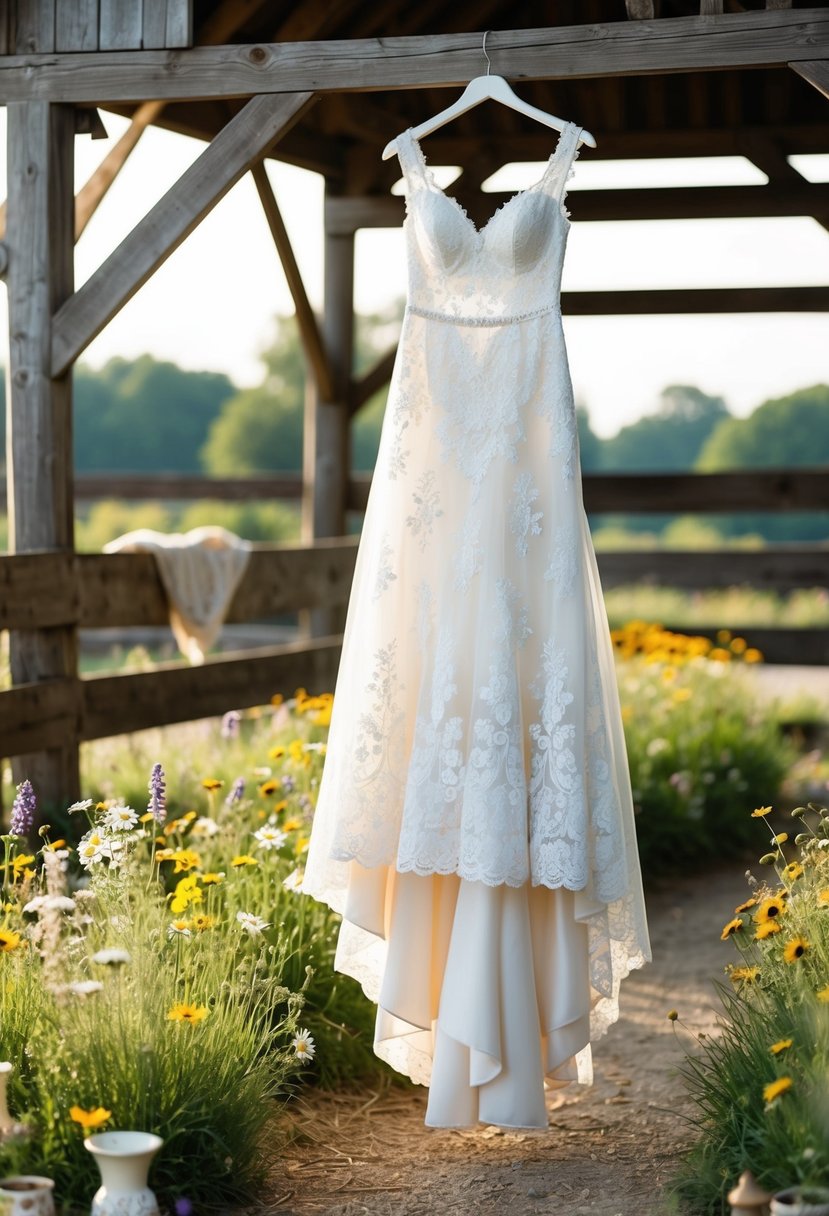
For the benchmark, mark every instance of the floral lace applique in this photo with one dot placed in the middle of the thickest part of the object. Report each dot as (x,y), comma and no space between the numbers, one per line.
(523,520)
(469,552)
(563,568)
(426,498)
(385,574)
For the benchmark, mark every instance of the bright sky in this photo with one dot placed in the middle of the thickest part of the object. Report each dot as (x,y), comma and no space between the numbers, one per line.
(211,305)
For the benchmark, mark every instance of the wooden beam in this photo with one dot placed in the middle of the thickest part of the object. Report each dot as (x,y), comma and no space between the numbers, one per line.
(373,380)
(115,705)
(306,318)
(326,454)
(350,212)
(767,37)
(76,26)
(237,146)
(816,71)
(39,409)
(776,568)
(695,300)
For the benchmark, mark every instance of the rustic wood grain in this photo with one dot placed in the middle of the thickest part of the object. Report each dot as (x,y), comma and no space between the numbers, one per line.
(769,37)
(119,24)
(113,705)
(39,414)
(76,26)
(241,142)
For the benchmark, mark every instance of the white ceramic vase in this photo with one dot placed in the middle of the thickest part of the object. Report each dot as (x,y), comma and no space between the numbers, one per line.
(6,1121)
(791,1203)
(27,1195)
(124,1161)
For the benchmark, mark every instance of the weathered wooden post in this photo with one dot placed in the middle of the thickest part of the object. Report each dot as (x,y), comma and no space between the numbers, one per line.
(40,242)
(327,456)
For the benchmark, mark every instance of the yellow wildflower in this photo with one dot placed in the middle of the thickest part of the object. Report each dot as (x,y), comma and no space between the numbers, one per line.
(191,1014)
(89,1119)
(743,975)
(212,878)
(744,907)
(681,694)
(21,862)
(761,812)
(780,838)
(766,928)
(823,994)
(276,753)
(733,926)
(187,892)
(185,859)
(770,909)
(277,698)
(753,655)
(301,845)
(212,783)
(792,871)
(738,645)
(291,825)
(269,787)
(780,1045)
(201,922)
(720,655)
(795,949)
(775,1088)
(244,859)
(9,940)
(823,897)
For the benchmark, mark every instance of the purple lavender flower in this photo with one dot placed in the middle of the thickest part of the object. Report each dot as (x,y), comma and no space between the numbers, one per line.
(288,783)
(237,792)
(230,724)
(183,1206)
(23,809)
(157,806)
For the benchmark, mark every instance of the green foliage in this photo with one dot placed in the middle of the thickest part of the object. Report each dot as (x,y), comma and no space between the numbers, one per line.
(700,750)
(144,415)
(784,432)
(272,522)
(779,999)
(672,437)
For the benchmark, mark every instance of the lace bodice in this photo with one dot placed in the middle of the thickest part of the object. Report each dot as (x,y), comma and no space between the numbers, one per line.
(485,274)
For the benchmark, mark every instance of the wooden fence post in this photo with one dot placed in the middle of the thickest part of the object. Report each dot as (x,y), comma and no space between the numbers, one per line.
(327,456)
(40,242)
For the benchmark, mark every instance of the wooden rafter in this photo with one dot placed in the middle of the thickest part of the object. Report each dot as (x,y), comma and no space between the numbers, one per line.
(816,71)
(233,151)
(306,318)
(770,37)
(347,214)
(373,380)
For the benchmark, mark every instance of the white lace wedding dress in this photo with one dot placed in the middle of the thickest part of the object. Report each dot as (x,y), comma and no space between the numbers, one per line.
(474,823)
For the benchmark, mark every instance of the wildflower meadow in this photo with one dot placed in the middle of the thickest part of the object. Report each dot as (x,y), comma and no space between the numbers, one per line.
(759,1086)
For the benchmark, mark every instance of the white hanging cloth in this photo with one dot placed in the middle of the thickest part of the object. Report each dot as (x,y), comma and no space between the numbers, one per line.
(200,570)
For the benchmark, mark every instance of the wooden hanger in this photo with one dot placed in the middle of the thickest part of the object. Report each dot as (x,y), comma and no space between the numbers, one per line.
(483,88)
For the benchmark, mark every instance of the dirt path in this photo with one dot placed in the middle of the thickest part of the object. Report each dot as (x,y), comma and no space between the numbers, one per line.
(609,1150)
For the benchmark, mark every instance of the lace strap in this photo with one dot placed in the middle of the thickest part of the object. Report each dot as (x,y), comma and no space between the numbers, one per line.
(563,165)
(411,160)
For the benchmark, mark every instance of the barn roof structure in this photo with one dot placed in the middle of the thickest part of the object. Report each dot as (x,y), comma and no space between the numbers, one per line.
(325,85)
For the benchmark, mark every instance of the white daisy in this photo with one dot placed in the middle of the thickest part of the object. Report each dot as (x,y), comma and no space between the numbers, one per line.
(252,924)
(111,957)
(303,1045)
(85,987)
(178,928)
(204,827)
(80,806)
(270,837)
(121,818)
(91,851)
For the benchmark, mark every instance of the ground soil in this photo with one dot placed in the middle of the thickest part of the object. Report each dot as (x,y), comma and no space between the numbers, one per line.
(609,1150)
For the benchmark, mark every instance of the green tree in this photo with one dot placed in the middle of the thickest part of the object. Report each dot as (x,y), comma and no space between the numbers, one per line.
(144,415)
(783,432)
(672,437)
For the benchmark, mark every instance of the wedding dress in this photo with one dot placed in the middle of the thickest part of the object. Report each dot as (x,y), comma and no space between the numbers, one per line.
(474,823)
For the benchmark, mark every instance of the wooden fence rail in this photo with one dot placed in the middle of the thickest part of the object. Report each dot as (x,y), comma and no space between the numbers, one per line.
(773,489)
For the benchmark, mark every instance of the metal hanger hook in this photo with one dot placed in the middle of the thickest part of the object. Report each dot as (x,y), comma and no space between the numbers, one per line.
(488,60)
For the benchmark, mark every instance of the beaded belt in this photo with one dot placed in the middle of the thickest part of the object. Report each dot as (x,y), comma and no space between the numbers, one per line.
(460,320)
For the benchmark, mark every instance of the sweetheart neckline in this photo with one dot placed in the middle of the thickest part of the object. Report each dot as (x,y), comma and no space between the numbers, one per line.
(480,233)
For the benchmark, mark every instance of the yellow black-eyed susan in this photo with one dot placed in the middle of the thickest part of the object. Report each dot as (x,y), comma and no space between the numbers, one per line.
(795,949)
(733,926)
